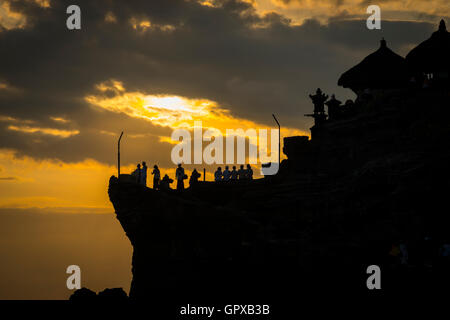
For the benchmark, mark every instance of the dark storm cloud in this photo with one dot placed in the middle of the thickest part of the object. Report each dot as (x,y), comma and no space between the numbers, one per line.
(253,65)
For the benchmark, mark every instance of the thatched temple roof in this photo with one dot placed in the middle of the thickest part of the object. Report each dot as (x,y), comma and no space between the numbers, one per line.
(432,55)
(383,69)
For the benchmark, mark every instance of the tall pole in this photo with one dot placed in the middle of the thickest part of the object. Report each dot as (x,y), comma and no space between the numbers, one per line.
(118,156)
(279,139)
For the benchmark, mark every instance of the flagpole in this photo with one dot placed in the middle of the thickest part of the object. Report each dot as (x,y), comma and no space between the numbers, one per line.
(118,156)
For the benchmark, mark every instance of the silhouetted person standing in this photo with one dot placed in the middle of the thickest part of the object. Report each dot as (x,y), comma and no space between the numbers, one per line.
(137,173)
(218,174)
(226,174)
(194,178)
(144,174)
(249,172)
(180,176)
(234,174)
(241,173)
(156,177)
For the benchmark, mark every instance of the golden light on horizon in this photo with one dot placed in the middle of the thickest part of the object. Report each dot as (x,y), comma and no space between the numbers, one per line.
(79,187)
(52,183)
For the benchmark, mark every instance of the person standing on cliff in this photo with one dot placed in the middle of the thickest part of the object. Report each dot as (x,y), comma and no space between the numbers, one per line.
(249,173)
(234,174)
(180,176)
(194,178)
(144,174)
(218,176)
(241,173)
(156,177)
(226,174)
(137,173)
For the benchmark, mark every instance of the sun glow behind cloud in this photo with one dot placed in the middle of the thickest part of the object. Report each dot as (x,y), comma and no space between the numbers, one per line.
(169,110)
(165,110)
(178,112)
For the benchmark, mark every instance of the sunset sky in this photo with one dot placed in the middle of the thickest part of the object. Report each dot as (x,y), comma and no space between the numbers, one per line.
(149,67)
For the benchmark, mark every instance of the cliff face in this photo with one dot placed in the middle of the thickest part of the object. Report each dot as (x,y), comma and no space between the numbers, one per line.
(336,206)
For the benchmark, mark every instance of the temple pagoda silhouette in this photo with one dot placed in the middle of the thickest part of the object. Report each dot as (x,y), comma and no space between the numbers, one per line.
(431,58)
(383,69)
(383,72)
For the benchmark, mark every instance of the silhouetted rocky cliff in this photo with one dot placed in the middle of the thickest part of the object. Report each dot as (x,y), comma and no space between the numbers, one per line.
(373,180)
(336,206)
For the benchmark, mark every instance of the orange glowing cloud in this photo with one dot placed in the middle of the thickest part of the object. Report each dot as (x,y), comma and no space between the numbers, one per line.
(144,25)
(10,19)
(179,112)
(14,20)
(60,119)
(300,10)
(170,110)
(47,131)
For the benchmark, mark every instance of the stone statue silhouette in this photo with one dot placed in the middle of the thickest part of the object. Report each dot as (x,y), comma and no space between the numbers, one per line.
(319,106)
(319,101)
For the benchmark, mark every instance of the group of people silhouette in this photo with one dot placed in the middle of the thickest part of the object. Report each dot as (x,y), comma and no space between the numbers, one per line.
(140,175)
(227,175)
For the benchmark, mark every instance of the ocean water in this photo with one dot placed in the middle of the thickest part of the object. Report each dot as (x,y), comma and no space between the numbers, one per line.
(37,246)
